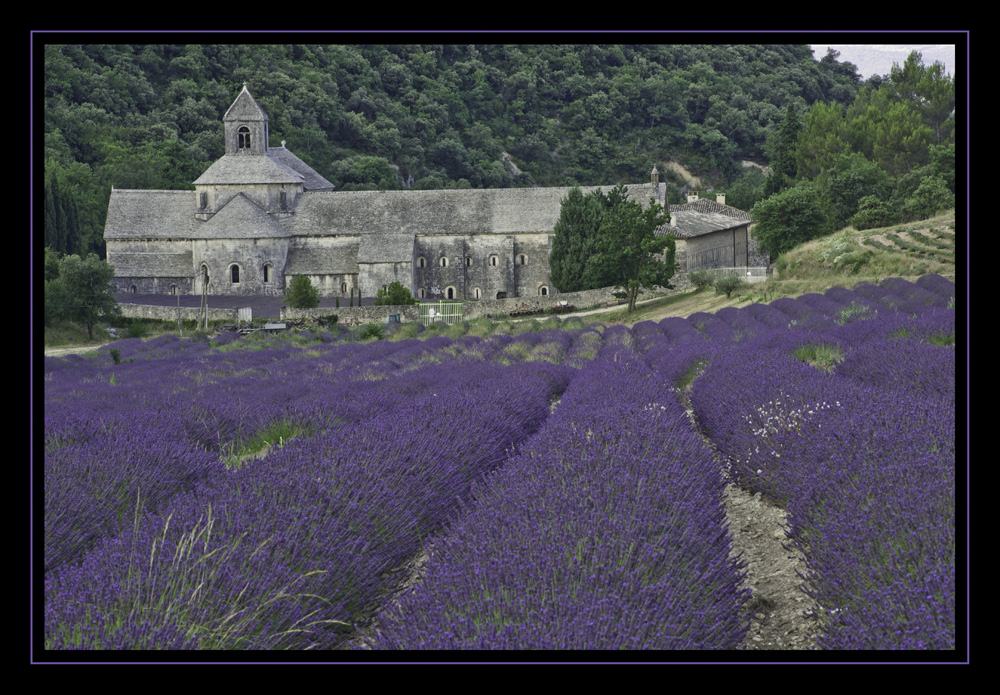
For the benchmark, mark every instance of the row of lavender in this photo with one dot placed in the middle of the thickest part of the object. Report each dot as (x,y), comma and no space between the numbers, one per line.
(137,432)
(862,457)
(292,549)
(607,532)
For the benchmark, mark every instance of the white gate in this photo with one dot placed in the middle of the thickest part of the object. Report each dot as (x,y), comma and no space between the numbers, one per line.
(445,312)
(245,314)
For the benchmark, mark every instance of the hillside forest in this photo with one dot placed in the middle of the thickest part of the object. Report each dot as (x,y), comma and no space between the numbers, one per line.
(805,144)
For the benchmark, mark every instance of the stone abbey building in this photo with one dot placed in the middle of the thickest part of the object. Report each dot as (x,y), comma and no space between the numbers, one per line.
(260,216)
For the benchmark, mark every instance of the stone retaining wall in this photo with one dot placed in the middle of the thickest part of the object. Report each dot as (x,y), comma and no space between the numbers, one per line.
(169,313)
(355,315)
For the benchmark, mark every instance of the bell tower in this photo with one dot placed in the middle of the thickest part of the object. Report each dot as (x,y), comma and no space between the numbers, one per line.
(246,126)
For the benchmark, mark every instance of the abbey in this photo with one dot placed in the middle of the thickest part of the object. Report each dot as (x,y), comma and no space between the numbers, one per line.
(260,215)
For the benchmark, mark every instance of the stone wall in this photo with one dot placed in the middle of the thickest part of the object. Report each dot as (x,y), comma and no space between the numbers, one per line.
(354,315)
(169,313)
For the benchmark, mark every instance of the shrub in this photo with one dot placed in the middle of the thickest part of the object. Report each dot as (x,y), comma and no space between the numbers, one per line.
(394,295)
(873,212)
(729,283)
(700,278)
(371,330)
(301,294)
(136,328)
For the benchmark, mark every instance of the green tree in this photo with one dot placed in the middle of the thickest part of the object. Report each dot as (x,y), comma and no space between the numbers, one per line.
(577,237)
(729,283)
(873,212)
(572,244)
(747,190)
(931,196)
(301,294)
(823,138)
(850,178)
(783,166)
(83,291)
(394,295)
(630,250)
(928,90)
(788,219)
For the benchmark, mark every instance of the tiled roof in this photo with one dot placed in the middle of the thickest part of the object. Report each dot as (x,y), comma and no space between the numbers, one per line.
(710,206)
(244,107)
(248,169)
(703,217)
(453,212)
(140,264)
(150,214)
(312,181)
(240,218)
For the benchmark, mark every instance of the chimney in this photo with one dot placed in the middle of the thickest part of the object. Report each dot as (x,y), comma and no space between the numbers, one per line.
(692,197)
(720,198)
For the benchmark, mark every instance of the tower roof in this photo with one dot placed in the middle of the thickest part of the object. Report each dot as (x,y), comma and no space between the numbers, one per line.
(244,108)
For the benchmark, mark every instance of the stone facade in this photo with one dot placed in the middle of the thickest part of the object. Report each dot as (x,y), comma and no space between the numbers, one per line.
(259,216)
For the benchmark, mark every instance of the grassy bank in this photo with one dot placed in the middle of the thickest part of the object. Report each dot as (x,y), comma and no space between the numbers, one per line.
(842,259)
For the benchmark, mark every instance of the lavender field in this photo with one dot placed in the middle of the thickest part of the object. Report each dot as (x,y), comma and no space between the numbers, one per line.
(563,489)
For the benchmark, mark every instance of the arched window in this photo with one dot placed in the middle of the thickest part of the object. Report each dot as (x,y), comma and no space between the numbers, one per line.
(478,293)
(444,261)
(468,261)
(132,289)
(543,291)
(421,262)
(234,274)
(422,293)
(243,135)
(493,260)
(522,260)
(173,289)
(267,272)
(343,288)
(450,293)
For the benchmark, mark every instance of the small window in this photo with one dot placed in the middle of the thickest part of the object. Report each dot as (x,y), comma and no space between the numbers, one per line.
(133,289)
(468,261)
(444,261)
(267,272)
(451,293)
(493,260)
(204,200)
(243,134)
(173,289)
(343,288)
(522,260)
(543,291)
(284,200)
(234,274)
(421,262)
(478,293)
(422,293)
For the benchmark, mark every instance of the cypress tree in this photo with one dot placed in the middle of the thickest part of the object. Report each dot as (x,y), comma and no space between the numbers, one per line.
(783,166)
